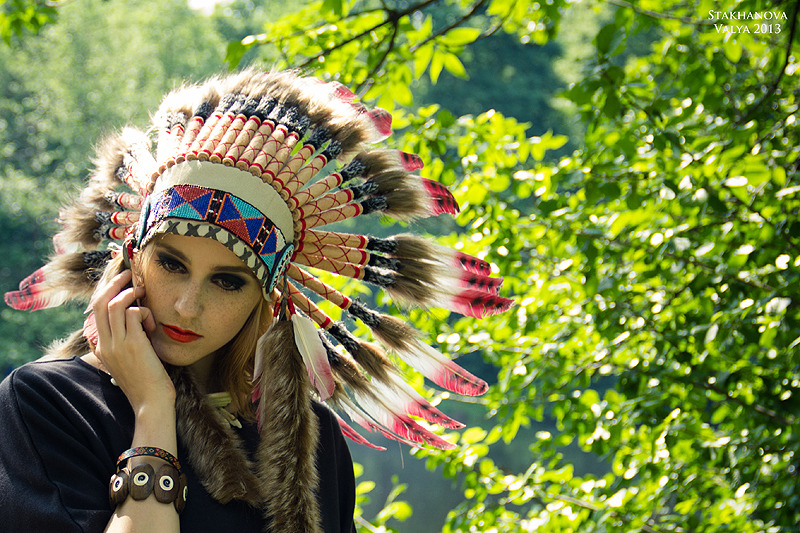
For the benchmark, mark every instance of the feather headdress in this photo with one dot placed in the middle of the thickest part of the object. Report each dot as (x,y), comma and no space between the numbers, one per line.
(262,162)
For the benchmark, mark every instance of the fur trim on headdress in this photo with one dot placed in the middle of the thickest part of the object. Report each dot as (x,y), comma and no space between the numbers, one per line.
(289,434)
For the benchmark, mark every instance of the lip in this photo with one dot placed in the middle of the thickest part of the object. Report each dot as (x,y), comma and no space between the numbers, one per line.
(181,335)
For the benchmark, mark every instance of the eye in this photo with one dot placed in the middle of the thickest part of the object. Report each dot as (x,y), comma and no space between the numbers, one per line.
(229,282)
(170,264)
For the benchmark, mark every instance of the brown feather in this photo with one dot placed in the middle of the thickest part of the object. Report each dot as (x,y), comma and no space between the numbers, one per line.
(406,204)
(347,371)
(394,332)
(380,160)
(372,359)
(390,180)
(413,247)
(410,290)
(418,270)
(289,435)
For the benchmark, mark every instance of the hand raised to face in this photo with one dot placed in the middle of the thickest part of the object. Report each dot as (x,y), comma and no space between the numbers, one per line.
(123,346)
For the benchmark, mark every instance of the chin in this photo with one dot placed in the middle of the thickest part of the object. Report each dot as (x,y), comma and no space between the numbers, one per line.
(178,355)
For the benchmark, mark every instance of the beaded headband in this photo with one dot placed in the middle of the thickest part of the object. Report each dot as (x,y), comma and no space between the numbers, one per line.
(261,162)
(203,199)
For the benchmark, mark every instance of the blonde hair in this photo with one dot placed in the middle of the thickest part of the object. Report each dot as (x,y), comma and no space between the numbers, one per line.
(233,363)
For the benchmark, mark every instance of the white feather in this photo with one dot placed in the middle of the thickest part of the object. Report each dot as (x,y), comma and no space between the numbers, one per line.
(314,355)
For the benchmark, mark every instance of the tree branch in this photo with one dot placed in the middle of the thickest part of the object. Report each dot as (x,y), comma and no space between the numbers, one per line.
(391,18)
(774,85)
(382,60)
(446,29)
(657,15)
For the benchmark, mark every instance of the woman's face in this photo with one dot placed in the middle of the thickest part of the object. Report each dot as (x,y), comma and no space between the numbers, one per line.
(200,294)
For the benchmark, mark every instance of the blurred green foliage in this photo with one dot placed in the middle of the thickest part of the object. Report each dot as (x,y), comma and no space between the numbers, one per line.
(655,257)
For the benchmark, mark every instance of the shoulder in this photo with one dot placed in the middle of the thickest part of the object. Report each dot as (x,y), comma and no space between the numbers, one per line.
(324,414)
(58,387)
(50,375)
(329,427)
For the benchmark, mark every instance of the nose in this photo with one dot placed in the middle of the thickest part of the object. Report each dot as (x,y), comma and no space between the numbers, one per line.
(189,302)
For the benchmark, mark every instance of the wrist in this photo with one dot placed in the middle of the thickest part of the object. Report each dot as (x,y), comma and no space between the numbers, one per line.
(156,426)
(158,412)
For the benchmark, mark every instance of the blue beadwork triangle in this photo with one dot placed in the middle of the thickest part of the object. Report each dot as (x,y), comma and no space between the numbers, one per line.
(228,211)
(185,211)
(270,245)
(269,260)
(247,210)
(175,200)
(253,227)
(201,203)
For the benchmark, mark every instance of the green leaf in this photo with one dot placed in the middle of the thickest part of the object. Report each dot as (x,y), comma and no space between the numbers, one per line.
(608,39)
(422,58)
(460,36)
(234,53)
(334,6)
(454,66)
(398,510)
(437,63)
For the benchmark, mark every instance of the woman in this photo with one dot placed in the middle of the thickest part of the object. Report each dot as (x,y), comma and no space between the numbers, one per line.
(204,357)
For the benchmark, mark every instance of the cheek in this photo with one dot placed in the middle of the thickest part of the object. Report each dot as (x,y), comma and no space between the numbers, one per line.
(232,317)
(157,290)
(230,314)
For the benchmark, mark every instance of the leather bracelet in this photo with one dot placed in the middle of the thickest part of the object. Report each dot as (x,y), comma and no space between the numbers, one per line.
(149,451)
(168,485)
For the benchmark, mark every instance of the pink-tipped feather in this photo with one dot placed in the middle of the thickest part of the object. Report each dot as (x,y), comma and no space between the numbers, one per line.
(341,92)
(90,329)
(465,261)
(440,369)
(410,162)
(356,437)
(401,425)
(381,122)
(440,197)
(475,303)
(315,357)
(405,399)
(34,293)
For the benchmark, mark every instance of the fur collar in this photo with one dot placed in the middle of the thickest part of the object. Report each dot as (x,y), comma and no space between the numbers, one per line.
(283,481)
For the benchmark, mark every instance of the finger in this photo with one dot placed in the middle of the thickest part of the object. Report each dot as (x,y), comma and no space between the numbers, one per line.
(148,322)
(133,323)
(103,296)
(117,308)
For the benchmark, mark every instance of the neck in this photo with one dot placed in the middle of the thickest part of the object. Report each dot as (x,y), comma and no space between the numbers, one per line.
(207,380)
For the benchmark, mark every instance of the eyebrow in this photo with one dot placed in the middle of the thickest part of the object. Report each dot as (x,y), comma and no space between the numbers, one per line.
(220,268)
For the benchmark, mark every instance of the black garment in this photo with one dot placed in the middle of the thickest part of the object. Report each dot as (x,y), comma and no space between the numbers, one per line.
(62,427)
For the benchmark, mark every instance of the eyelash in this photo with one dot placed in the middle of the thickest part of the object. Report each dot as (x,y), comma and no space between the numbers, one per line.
(226,282)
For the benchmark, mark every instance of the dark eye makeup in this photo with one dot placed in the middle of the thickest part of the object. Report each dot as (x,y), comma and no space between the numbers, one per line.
(229,282)
(169,263)
(225,281)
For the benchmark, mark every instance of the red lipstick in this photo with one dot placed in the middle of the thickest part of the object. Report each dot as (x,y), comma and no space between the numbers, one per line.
(181,335)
